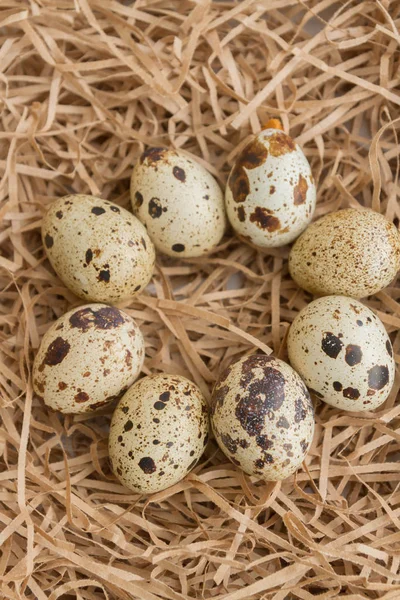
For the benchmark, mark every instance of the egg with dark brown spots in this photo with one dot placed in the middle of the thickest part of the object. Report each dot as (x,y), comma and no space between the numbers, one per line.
(88,358)
(158,432)
(270,196)
(99,250)
(262,416)
(179,202)
(352,252)
(343,353)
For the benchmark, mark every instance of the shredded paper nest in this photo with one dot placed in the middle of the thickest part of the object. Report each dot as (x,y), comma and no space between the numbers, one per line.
(85,85)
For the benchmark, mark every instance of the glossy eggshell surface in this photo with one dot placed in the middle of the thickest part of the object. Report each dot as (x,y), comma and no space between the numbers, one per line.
(262,416)
(352,252)
(270,196)
(158,432)
(179,202)
(99,250)
(343,353)
(88,358)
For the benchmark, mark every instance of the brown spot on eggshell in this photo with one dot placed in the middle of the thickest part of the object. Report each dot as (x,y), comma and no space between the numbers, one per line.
(104,275)
(254,155)
(98,210)
(40,386)
(331,344)
(147,465)
(337,386)
(353,355)
(351,393)
(300,191)
(241,214)
(239,184)
(301,411)
(155,208)
(389,348)
(48,240)
(304,445)
(153,155)
(264,442)
(88,256)
(263,395)
(179,174)
(107,317)
(283,422)
(263,218)
(81,397)
(139,199)
(280,144)
(128,425)
(59,214)
(378,377)
(229,443)
(218,396)
(178,248)
(56,352)
(159,405)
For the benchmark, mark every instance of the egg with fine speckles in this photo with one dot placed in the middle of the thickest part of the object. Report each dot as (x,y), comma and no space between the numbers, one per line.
(179,202)
(99,250)
(158,432)
(270,196)
(352,252)
(262,416)
(87,359)
(343,353)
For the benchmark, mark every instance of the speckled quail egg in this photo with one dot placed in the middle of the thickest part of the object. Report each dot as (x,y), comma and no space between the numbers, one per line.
(158,432)
(99,250)
(343,353)
(262,416)
(88,358)
(270,196)
(179,202)
(354,252)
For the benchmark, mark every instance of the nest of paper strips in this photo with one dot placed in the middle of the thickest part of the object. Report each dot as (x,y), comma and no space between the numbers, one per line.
(84,86)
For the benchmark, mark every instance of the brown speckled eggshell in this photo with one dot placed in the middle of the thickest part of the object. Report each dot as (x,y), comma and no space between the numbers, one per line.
(99,250)
(158,432)
(270,196)
(88,358)
(262,416)
(352,252)
(179,202)
(343,352)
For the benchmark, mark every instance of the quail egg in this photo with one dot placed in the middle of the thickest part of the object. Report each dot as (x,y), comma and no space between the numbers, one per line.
(270,197)
(343,353)
(99,250)
(262,416)
(179,202)
(352,252)
(88,358)
(158,432)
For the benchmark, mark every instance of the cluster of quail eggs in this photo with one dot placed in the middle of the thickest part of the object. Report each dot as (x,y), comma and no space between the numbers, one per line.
(261,411)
